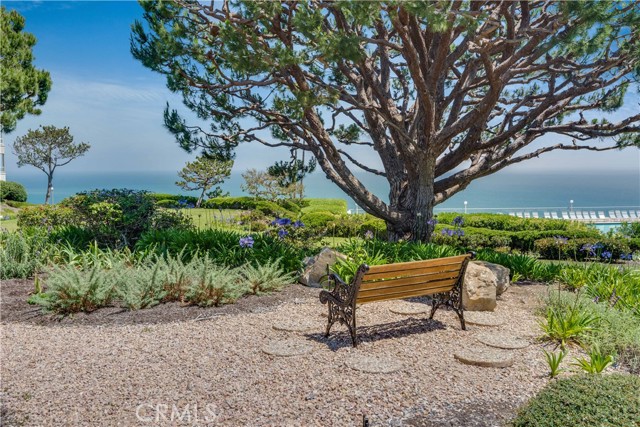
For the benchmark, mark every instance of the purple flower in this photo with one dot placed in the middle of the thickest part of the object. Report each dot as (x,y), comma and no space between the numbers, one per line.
(282,232)
(298,223)
(606,255)
(447,231)
(368,235)
(458,221)
(282,221)
(458,232)
(246,242)
(432,222)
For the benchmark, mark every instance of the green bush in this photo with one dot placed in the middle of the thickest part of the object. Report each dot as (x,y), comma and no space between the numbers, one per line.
(72,290)
(318,220)
(584,401)
(334,206)
(45,216)
(22,254)
(214,286)
(266,277)
(511,223)
(176,198)
(377,226)
(222,247)
(581,249)
(168,203)
(10,190)
(244,203)
(117,218)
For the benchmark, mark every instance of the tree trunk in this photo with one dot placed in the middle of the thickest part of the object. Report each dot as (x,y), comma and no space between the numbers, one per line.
(49,188)
(414,200)
(199,202)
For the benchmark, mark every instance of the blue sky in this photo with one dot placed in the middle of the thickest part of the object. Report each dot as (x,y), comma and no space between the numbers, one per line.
(110,100)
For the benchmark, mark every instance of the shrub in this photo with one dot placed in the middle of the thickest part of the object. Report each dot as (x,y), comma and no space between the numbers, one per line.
(377,226)
(244,203)
(21,254)
(10,190)
(266,277)
(604,249)
(334,206)
(318,220)
(168,203)
(511,223)
(163,220)
(584,401)
(45,216)
(567,320)
(222,247)
(214,286)
(144,287)
(71,290)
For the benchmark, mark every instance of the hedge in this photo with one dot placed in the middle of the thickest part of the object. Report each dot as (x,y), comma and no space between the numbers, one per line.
(14,191)
(335,206)
(510,223)
(584,401)
(157,197)
(579,249)
(521,240)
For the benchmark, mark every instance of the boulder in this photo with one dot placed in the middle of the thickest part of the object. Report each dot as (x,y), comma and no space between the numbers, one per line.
(315,268)
(483,282)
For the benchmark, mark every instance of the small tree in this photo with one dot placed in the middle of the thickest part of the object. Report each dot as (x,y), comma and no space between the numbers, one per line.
(292,172)
(22,87)
(261,184)
(203,174)
(48,148)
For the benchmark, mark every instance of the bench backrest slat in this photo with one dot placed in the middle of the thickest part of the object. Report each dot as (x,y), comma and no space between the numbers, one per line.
(403,266)
(409,279)
(421,291)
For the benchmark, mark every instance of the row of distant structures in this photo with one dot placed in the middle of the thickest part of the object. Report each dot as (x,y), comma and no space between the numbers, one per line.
(586,216)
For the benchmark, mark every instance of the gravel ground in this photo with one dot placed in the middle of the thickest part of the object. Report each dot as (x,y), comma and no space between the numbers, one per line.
(214,372)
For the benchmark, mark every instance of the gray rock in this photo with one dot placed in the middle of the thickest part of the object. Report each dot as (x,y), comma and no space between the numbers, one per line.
(502,276)
(315,268)
(483,282)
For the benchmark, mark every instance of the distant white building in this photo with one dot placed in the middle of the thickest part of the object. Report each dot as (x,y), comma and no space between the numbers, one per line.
(3,174)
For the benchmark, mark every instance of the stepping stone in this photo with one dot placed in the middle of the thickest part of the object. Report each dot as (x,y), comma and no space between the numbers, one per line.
(373,364)
(480,318)
(485,356)
(502,341)
(410,308)
(286,348)
(296,325)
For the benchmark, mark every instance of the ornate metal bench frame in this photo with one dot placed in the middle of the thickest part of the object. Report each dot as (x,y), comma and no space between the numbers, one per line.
(341,299)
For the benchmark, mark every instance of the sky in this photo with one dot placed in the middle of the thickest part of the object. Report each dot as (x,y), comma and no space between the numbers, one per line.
(107,98)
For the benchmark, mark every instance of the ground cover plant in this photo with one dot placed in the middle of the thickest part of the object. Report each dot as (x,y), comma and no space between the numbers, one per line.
(87,286)
(584,401)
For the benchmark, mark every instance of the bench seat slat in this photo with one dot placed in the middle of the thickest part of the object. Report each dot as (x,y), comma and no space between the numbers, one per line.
(412,272)
(408,280)
(427,287)
(407,294)
(402,266)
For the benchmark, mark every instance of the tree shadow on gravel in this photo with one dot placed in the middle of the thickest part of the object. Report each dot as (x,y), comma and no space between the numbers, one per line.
(372,333)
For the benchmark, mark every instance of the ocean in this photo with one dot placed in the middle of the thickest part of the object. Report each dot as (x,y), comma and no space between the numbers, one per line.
(504,191)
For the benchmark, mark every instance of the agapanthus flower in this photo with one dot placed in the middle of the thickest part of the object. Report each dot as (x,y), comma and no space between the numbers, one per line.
(606,255)
(282,232)
(458,221)
(298,224)
(368,235)
(246,242)
(447,231)
(458,232)
(283,221)
(432,222)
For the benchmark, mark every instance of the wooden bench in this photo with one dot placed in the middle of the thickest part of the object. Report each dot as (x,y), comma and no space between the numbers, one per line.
(442,278)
